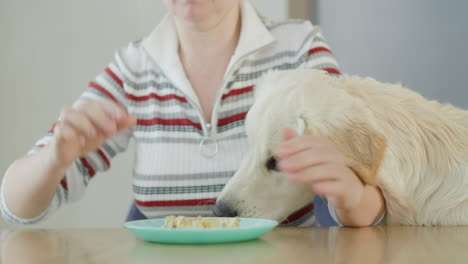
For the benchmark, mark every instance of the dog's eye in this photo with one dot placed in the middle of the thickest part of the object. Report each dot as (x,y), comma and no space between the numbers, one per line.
(271,164)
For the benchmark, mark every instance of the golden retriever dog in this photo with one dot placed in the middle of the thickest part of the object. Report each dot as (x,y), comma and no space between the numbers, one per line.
(414,149)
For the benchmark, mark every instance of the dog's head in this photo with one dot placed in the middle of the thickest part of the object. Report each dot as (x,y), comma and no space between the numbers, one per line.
(312,103)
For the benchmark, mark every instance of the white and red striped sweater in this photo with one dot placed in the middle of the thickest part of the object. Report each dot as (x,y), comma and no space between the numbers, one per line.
(177,169)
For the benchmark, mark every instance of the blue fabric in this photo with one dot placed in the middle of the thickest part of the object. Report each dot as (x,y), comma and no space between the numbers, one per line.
(322,214)
(320,207)
(135,214)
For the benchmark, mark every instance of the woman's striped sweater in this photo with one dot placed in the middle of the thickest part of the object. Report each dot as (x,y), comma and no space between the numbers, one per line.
(183,161)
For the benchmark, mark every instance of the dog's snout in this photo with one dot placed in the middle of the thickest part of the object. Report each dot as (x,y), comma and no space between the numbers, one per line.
(223,209)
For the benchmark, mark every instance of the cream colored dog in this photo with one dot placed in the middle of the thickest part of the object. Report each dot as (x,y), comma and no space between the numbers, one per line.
(415,150)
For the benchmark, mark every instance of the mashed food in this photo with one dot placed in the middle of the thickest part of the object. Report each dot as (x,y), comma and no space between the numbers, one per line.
(199,222)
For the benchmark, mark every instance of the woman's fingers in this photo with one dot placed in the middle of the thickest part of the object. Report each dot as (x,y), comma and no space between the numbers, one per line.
(79,122)
(101,119)
(304,159)
(107,116)
(86,126)
(293,145)
(127,122)
(315,174)
(123,120)
(288,134)
(114,110)
(65,132)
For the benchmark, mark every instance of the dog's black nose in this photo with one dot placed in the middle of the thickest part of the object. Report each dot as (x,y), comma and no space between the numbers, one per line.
(222,209)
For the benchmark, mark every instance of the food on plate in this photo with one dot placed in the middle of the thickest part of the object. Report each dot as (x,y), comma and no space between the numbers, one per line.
(200,222)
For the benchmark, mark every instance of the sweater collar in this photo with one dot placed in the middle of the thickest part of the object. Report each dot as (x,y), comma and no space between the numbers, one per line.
(162,45)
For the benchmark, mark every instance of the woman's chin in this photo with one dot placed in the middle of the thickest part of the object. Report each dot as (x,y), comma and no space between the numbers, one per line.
(199,21)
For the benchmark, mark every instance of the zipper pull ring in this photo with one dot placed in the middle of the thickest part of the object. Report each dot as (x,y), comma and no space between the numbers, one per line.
(208,147)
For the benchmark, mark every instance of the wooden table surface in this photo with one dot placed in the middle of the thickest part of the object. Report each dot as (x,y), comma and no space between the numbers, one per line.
(282,245)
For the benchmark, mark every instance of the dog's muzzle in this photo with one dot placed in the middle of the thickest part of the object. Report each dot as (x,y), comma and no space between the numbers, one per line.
(222,209)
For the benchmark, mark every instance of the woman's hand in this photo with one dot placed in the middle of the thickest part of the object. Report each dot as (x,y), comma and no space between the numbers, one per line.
(85,126)
(316,161)
(81,128)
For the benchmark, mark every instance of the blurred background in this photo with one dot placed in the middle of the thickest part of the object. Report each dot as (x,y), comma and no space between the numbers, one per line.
(50,49)
(419,43)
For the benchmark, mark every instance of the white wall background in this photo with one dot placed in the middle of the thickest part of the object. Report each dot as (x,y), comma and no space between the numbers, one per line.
(49,50)
(420,43)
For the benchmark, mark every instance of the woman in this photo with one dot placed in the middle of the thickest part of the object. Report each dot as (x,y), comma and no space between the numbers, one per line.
(182,93)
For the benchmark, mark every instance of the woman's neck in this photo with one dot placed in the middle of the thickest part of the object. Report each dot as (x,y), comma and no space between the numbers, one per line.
(210,39)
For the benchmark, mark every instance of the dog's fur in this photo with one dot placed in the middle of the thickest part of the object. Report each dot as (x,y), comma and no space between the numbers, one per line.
(414,149)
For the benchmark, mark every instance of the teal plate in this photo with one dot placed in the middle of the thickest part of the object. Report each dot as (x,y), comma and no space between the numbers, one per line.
(152,230)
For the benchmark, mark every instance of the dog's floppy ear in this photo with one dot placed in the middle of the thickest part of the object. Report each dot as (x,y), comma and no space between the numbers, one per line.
(363,148)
